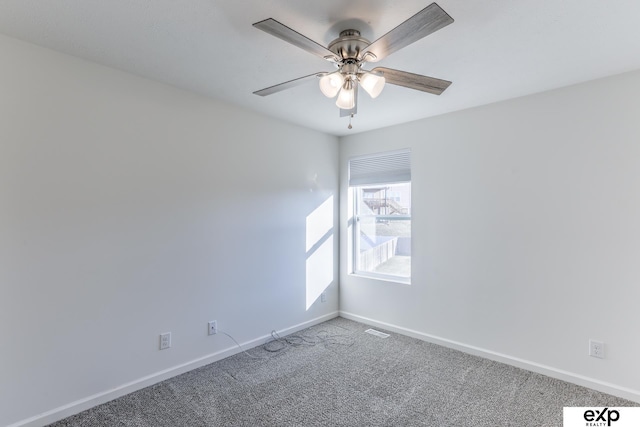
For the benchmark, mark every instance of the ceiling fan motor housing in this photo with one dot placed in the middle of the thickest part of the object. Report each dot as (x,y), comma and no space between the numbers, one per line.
(350,45)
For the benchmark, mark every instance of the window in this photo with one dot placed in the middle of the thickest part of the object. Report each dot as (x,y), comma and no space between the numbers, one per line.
(381,239)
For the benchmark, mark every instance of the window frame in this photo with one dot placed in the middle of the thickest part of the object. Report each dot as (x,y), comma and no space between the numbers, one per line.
(355,237)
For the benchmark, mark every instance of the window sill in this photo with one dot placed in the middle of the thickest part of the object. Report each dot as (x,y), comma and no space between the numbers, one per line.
(382,277)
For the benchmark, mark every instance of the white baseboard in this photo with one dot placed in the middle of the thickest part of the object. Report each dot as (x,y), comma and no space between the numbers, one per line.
(613,389)
(103,397)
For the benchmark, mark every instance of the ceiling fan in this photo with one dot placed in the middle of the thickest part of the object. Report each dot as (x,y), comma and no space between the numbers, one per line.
(350,51)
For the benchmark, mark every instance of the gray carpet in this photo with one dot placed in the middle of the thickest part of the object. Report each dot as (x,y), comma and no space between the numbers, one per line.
(349,378)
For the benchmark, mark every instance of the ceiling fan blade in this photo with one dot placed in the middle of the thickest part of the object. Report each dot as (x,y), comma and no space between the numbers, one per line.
(413,81)
(287,34)
(427,21)
(287,85)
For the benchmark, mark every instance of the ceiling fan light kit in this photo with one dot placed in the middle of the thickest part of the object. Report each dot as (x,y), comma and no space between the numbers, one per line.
(372,83)
(349,52)
(330,84)
(347,97)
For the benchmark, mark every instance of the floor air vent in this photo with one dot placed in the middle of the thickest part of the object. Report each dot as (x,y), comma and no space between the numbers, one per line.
(377,333)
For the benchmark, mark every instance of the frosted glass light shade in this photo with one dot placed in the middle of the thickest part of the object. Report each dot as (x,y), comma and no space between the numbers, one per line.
(346,98)
(372,84)
(331,83)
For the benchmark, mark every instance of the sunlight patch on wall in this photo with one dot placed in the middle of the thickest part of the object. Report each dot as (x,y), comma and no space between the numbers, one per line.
(319,271)
(319,247)
(319,223)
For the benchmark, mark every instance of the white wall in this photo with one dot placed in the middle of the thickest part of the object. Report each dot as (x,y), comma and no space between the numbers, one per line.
(526,232)
(129,208)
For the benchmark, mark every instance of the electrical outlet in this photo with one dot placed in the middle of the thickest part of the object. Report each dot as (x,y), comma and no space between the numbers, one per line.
(323,297)
(596,349)
(165,341)
(213,327)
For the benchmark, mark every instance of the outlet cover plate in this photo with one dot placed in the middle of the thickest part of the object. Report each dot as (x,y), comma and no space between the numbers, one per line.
(213,327)
(596,349)
(165,340)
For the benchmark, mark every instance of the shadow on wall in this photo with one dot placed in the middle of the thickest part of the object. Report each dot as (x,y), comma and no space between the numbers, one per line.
(319,247)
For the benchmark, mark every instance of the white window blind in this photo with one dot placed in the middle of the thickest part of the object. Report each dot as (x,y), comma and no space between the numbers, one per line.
(381,168)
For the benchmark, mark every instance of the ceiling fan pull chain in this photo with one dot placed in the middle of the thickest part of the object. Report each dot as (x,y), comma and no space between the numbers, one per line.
(350,117)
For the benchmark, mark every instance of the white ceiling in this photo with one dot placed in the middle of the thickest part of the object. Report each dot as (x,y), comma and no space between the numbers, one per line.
(495,49)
